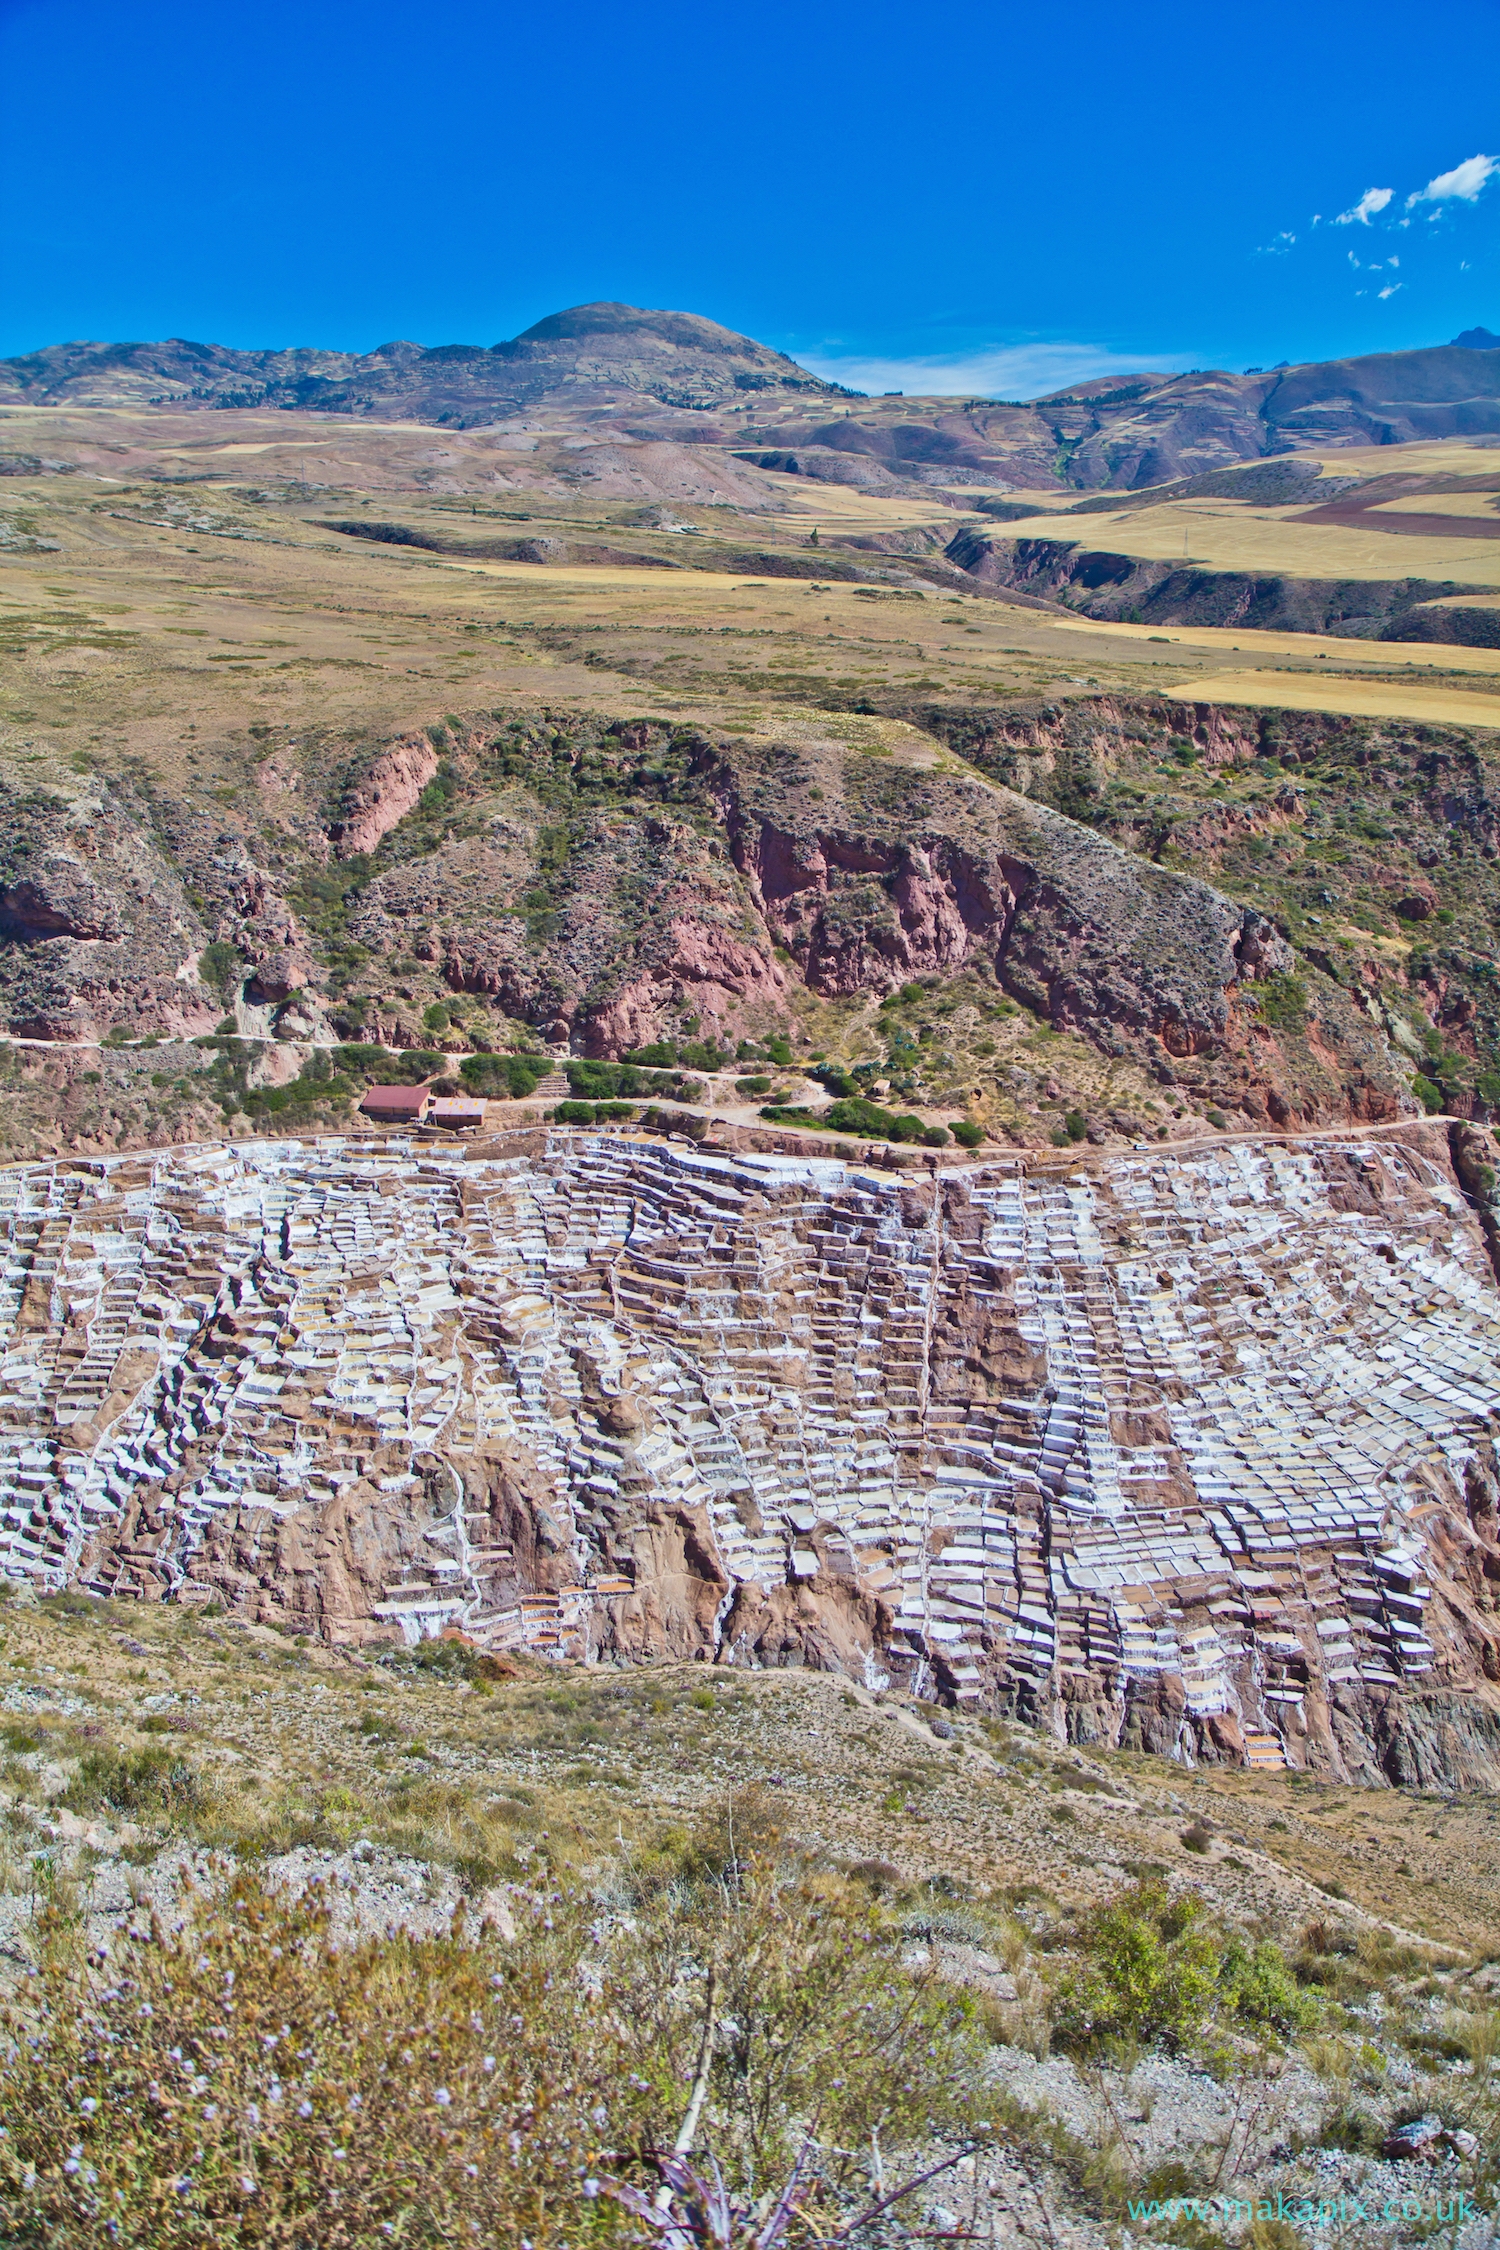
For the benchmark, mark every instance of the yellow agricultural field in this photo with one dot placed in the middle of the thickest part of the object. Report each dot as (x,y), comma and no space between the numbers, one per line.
(1382,656)
(1227,535)
(1483,504)
(1424,457)
(1358,699)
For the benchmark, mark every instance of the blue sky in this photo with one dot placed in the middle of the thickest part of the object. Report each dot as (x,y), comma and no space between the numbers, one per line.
(992,199)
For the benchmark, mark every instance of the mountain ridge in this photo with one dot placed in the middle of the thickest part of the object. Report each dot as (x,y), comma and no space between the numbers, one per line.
(646,373)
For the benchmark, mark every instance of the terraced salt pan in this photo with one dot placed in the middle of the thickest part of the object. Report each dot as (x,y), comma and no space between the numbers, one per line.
(1182,1418)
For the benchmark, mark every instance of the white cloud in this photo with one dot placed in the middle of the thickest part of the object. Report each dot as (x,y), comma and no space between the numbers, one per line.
(1461,185)
(1006,371)
(1372,202)
(1391,287)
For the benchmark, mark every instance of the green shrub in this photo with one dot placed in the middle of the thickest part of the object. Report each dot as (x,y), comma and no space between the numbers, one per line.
(1282,1000)
(702,1054)
(409,1068)
(154,1782)
(609,1081)
(662,1055)
(1154,1971)
(1148,1975)
(221,966)
(856,1115)
(363,1061)
(299,1093)
(966,1132)
(1076,1125)
(837,1082)
(755,1085)
(515,1075)
(593,1113)
(1258,1988)
(779,1051)
(1430,1096)
(935,1136)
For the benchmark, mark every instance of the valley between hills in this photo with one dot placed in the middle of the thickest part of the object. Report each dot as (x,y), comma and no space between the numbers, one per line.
(965,1341)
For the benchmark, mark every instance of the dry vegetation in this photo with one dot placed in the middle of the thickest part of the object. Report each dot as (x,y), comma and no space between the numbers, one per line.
(461,1977)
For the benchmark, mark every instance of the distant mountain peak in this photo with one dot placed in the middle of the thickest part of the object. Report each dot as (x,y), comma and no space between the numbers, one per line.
(1479,340)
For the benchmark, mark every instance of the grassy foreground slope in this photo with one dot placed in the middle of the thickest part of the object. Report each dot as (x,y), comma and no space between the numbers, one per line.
(480,1923)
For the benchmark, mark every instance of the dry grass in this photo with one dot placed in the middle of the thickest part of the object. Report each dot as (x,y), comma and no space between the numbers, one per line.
(1236,535)
(1361,699)
(137,635)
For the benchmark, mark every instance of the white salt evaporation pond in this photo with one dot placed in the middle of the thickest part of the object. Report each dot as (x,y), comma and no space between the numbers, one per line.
(1182,1449)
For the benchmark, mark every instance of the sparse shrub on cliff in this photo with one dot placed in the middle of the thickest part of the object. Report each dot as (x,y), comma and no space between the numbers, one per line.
(242,2082)
(221,967)
(152,1783)
(1430,1096)
(1282,1001)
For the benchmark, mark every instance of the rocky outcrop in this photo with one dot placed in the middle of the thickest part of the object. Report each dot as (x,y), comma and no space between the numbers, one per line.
(622,372)
(617,885)
(586,357)
(869,877)
(95,922)
(383,795)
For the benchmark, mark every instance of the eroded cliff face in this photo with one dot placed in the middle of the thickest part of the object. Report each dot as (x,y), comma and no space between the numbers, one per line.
(1198,1458)
(869,876)
(615,885)
(95,923)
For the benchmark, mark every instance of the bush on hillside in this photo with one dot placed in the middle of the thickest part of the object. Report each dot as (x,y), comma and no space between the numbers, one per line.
(245,2081)
(1155,1972)
(514,1075)
(593,1113)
